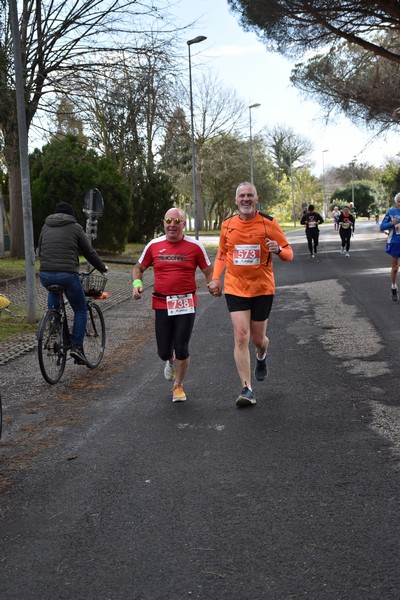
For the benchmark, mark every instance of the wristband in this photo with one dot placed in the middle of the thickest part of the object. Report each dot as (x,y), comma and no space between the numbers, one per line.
(137,283)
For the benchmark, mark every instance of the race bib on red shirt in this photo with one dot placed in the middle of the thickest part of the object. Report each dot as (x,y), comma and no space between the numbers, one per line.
(180,304)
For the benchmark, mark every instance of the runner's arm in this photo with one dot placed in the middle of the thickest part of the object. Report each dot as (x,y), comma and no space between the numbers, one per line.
(137,284)
(387,222)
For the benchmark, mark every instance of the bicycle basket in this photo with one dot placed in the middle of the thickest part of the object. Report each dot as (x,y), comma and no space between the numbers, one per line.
(94,284)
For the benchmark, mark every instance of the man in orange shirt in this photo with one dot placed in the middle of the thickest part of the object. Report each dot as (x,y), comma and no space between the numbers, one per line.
(247,244)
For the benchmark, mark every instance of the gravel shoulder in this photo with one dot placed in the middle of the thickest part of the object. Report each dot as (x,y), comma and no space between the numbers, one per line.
(35,413)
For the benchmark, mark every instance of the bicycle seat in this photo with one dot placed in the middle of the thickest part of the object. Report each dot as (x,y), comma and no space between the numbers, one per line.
(56,288)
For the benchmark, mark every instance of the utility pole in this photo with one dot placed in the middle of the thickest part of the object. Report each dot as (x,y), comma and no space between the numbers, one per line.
(196,40)
(24,164)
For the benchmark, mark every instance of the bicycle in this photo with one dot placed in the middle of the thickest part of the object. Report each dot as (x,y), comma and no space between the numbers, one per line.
(54,338)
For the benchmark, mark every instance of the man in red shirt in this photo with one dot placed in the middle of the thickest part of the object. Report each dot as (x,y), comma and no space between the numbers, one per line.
(247,244)
(175,258)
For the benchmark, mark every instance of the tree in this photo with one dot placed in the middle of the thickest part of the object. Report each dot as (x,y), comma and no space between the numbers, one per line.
(300,25)
(390,180)
(365,87)
(366,194)
(126,109)
(63,171)
(218,112)
(287,148)
(225,164)
(175,152)
(361,77)
(153,199)
(57,38)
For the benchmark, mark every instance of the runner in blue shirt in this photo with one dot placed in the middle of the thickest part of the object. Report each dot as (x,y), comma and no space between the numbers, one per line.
(391,224)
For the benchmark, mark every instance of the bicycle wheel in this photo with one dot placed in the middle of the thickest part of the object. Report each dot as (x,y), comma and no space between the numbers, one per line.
(51,351)
(95,337)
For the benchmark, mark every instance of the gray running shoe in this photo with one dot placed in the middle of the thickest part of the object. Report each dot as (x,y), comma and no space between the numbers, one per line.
(169,371)
(245,398)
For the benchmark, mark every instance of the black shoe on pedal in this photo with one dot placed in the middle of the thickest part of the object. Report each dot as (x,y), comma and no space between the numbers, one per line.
(78,354)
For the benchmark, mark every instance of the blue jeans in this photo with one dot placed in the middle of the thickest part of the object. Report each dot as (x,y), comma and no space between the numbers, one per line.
(76,297)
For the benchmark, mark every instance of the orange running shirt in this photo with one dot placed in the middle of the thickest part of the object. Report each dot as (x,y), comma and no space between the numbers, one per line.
(244,253)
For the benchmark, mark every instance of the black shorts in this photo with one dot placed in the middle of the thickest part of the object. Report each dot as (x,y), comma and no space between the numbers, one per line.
(259,306)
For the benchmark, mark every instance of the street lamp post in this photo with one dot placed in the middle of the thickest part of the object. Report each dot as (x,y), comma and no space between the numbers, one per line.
(353,162)
(251,143)
(196,40)
(323,181)
(292,187)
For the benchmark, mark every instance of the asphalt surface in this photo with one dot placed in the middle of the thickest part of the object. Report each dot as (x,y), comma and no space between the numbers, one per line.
(112,492)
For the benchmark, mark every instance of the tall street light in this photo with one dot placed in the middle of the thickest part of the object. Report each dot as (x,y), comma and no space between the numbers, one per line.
(323,180)
(353,163)
(292,186)
(251,143)
(196,40)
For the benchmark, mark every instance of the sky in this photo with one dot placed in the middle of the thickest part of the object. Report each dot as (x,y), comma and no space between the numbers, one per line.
(242,62)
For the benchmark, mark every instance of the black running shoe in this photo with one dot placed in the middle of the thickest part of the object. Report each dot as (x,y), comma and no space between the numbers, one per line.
(261,369)
(245,398)
(78,354)
(394,294)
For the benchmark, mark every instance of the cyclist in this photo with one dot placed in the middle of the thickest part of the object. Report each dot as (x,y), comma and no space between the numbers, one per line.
(247,244)
(175,258)
(61,241)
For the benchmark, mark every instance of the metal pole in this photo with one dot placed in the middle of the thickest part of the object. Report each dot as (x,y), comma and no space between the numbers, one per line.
(323,183)
(251,143)
(24,165)
(291,185)
(196,40)
(251,150)
(352,181)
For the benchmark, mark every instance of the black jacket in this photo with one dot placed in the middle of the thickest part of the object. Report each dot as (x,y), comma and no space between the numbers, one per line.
(61,242)
(311,220)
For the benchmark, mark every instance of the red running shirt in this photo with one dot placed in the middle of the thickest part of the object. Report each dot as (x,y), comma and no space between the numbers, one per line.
(175,265)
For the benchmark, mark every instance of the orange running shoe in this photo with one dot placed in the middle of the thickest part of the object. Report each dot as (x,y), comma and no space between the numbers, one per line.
(178,395)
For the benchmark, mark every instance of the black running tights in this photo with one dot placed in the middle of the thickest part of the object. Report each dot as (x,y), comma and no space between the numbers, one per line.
(173,334)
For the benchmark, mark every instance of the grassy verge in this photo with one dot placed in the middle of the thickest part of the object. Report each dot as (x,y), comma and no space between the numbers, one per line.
(15,323)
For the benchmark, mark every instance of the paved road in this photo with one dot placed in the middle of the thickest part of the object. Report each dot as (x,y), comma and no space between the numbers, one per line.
(111,492)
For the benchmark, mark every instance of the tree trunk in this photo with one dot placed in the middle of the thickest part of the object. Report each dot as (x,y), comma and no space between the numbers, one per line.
(16,215)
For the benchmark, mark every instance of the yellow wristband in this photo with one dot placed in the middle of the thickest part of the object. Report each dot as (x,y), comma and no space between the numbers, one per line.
(137,283)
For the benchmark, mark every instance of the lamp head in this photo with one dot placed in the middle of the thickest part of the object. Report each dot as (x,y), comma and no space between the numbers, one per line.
(254,105)
(196,40)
